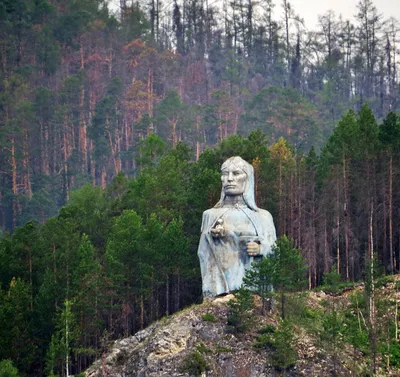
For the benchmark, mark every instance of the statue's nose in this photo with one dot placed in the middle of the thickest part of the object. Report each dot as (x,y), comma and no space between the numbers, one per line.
(230,177)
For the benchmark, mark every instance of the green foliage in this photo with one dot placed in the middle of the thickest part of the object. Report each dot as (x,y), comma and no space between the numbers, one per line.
(389,132)
(173,114)
(280,341)
(7,369)
(63,340)
(394,354)
(194,364)
(126,258)
(106,115)
(273,107)
(202,348)
(343,140)
(269,329)
(49,51)
(289,273)
(88,210)
(284,356)
(222,349)
(264,341)
(135,23)
(16,318)
(280,272)
(383,281)
(355,331)
(331,280)
(150,151)
(259,279)
(240,314)
(208,317)
(332,323)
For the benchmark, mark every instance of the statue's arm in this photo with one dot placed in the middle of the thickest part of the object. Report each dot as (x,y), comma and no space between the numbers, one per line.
(205,222)
(269,233)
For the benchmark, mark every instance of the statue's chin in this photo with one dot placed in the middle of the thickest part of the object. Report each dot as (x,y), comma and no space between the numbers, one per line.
(233,192)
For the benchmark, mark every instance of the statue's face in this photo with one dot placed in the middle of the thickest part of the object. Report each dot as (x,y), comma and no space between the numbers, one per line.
(233,180)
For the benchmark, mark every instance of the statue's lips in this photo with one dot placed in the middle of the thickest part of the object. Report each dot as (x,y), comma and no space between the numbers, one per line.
(230,186)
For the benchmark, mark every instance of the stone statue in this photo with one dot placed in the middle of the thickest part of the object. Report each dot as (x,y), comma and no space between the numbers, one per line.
(235,232)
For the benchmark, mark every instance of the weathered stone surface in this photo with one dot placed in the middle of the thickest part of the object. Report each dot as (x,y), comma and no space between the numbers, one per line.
(159,350)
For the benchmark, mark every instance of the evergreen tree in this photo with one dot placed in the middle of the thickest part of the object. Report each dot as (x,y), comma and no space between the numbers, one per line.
(288,269)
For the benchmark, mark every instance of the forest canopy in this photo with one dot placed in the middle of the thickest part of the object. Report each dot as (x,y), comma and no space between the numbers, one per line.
(82,88)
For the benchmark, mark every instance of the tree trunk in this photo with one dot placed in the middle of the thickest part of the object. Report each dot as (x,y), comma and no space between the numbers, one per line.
(326,253)
(65,161)
(150,99)
(82,133)
(44,154)
(174,136)
(198,138)
(338,229)
(391,253)
(372,317)
(113,153)
(167,311)
(178,291)
(141,312)
(281,227)
(27,174)
(14,183)
(103,177)
(346,218)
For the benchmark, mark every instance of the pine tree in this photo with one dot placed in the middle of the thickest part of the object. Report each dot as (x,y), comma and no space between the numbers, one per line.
(288,269)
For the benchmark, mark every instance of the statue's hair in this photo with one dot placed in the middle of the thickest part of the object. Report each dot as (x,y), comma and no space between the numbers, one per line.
(248,195)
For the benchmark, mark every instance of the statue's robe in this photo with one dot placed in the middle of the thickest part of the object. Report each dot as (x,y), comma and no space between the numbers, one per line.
(224,260)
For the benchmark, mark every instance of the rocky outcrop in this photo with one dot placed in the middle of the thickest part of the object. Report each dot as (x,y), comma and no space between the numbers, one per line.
(167,346)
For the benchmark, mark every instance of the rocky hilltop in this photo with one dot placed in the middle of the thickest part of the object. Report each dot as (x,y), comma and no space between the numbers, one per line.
(197,342)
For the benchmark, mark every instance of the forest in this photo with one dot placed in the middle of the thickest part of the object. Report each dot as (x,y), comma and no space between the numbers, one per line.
(113,129)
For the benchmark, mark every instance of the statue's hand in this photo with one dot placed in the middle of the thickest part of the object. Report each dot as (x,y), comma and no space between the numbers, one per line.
(218,232)
(253,248)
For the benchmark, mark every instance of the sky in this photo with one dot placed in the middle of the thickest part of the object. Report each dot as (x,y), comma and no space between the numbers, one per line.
(310,9)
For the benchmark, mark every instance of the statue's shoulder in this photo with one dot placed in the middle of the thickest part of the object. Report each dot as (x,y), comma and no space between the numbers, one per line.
(265,214)
(212,212)
(209,217)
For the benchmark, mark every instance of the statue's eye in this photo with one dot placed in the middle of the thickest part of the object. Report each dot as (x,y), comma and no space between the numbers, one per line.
(236,172)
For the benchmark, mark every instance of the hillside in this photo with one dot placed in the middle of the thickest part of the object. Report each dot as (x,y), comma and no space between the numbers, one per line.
(197,341)
(117,259)
(82,88)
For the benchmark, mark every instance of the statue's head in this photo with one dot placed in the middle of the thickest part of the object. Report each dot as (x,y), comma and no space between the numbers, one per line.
(237,178)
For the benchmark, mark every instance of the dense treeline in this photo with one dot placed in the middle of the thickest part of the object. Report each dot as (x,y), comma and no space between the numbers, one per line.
(115,259)
(80,88)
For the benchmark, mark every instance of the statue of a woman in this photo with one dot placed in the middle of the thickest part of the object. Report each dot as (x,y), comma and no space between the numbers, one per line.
(234,232)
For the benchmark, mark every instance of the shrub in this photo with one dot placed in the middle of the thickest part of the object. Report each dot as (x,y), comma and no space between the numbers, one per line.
(394,355)
(280,341)
(284,356)
(194,364)
(331,280)
(240,311)
(264,341)
(7,369)
(269,329)
(221,349)
(202,348)
(209,317)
